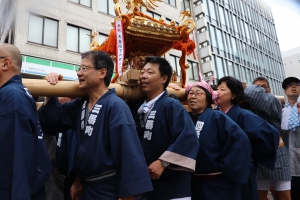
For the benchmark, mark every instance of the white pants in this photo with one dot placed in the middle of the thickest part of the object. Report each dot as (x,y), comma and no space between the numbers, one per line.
(280,185)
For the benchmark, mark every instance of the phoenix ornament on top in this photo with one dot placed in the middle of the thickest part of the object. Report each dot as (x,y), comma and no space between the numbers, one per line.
(134,5)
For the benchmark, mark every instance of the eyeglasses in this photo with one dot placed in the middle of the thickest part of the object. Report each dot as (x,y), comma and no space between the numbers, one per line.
(196,93)
(292,84)
(83,68)
(265,86)
(2,57)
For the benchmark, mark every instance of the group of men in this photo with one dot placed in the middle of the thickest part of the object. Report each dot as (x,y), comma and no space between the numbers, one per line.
(283,181)
(144,149)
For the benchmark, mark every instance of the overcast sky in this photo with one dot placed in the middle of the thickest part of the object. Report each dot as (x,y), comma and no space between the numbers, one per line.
(286,15)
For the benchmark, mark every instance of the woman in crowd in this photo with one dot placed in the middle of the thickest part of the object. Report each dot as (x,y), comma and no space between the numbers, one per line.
(223,160)
(263,136)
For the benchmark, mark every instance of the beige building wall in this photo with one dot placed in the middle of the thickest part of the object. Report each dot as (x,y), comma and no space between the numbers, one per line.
(67,12)
(291,62)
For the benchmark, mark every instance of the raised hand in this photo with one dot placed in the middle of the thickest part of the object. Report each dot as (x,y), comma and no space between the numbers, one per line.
(53,78)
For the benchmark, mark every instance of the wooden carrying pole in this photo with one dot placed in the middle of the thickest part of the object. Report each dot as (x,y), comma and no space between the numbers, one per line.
(38,87)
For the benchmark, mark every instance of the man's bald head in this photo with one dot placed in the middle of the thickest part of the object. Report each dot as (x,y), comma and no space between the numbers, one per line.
(11,51)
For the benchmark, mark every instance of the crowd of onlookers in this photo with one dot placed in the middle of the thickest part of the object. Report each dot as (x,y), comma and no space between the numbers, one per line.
(235,144)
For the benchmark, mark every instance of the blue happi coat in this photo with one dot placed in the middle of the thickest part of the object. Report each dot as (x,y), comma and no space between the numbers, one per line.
(223,147)
(107,144)
(168,134)
(65,158)
(66,152)
(264,140)
(25,165)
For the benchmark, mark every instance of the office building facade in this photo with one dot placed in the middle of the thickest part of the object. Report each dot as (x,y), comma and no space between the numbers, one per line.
(233,37)
(238,38)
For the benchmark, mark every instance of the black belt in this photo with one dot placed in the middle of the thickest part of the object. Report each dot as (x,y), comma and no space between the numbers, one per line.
(205,176)
(104,175)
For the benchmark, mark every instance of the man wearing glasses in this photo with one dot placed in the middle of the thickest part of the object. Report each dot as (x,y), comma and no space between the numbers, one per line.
(109,160)
(291,130)
(269,108)
(25,165)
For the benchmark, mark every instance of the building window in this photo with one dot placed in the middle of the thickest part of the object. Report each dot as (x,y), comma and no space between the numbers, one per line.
(78,39)
(82,2)
(106,6)
(204,44)
(168,20)
(193,70)
(153,14)
(199,16)
(212,10)
(185,5)
(171,2)
(174,61)
(102,37)
(43,30)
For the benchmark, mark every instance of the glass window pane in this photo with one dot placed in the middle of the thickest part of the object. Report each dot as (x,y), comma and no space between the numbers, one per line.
(212,10)
(187,5)
(72,38)
(235,52)
(35,29)
(111,8)
(219,66)
(238,45)
(181,5)
(213,36)
(178,69)
(101,38)
(230,69)
(86,3)
(50,32)
(190,72)
(156,16)
(242,7)
(234,23)
(148,13)
(243,77)
(248,77)
(84,40)
(102,6)
(257,38)
(245,52)
(242,28)
(220,40)
(172,61)
(225,68)
(173,3)
(222,19)
(205,6)
(226,17)
(247,31)
(236,71)
(229,45)
(196,71)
